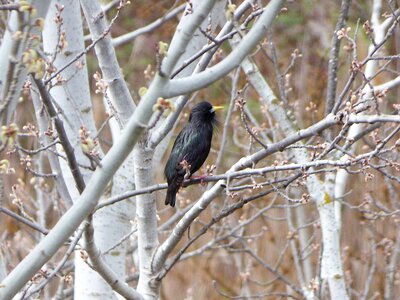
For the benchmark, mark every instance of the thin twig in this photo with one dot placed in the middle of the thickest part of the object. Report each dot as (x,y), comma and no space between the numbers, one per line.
(64,140)
(25,221)
(334,57)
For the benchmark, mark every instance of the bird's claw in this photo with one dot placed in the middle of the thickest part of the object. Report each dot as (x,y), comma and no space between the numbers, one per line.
(202,179)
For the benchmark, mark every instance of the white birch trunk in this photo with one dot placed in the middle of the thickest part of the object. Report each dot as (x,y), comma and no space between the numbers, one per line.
(73,97)
(331,261)
(114,222)
(146,217)
(370,68)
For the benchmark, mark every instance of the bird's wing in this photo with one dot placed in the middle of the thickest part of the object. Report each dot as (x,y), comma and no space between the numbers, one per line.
(190,145)
(197,155)
(176,156)
(196,146)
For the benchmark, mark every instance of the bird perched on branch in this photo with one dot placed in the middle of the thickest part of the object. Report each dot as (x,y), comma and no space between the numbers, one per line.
(190,149)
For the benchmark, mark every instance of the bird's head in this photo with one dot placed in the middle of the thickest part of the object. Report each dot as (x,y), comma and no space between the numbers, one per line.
(204,112)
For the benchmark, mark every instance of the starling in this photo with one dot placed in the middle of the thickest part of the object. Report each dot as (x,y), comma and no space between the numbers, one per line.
(190,149)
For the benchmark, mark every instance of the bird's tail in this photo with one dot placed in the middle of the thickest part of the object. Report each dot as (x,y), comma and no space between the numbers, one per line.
(171,197)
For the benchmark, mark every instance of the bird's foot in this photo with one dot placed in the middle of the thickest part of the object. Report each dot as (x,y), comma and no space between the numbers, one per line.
(202,178)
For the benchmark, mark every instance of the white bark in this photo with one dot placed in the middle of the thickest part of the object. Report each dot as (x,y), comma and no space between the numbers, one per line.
(73,97)
(114,222)
(304,238)
(107,59)
(3,269)
(370,69)
(121,214)
(146,217)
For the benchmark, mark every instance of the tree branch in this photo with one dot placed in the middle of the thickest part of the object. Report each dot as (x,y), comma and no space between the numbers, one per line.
(334,57)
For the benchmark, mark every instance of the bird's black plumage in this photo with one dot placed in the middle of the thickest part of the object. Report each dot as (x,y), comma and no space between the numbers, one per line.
(192,145)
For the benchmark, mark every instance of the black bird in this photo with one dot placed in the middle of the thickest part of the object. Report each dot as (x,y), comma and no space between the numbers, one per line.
(190,149)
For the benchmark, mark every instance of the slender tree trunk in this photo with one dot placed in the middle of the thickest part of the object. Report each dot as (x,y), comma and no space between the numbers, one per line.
(146,217)
(113,223)
(73,98)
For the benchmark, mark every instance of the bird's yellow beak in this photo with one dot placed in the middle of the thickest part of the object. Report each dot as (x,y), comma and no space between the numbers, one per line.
(217,107)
